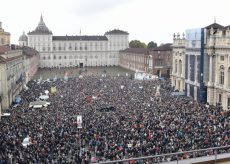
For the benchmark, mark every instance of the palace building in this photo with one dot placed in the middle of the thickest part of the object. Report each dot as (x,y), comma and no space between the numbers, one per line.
(76,50)
(201,64)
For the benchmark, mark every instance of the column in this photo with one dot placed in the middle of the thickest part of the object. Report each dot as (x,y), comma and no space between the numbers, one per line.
(188,89)
(210,70)
(216,71)
(196,70)
(195,93)
(226,71)
(189,71)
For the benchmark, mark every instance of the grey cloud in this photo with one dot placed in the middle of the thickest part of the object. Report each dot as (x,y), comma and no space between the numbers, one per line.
(90,7)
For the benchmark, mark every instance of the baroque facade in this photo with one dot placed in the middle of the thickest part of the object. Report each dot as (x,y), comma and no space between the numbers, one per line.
(161,58)
(11,70)
(134,59)
(4,36)
(71,51)
(206,65)
(156,61)
(178,63)
(17,66)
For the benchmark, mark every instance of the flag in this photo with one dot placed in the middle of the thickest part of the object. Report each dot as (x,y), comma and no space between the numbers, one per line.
(53,89)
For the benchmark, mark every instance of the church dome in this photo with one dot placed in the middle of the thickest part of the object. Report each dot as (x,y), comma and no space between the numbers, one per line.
(40,29)
(23,37)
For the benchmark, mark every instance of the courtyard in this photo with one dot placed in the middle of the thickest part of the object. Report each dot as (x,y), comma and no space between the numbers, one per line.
(47,73)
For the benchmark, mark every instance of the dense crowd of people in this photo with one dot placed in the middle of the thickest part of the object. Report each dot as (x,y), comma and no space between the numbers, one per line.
(121,119)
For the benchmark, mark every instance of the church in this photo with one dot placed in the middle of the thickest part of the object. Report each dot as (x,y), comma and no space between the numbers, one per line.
(75,50)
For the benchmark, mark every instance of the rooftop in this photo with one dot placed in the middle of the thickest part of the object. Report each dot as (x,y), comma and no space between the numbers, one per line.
(136,50)
(84,38)
(164,47)
(41,29)
(116,32)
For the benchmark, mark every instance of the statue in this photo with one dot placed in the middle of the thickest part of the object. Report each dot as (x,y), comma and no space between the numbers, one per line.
(158,94)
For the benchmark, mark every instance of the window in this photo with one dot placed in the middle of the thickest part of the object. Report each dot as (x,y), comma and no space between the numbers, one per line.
(54,56)
(158,62)
(44,58)
(59,57)
(221,58)
(49,57)
(180,67)
(64,57)
(220,98)
(228,77)
(228,103)
(85,47)
(159,56)
(222,74)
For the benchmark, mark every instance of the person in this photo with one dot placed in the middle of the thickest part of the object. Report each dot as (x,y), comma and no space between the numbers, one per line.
(133,126)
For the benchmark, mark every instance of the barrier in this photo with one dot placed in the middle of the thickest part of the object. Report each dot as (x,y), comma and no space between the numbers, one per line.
(214,157)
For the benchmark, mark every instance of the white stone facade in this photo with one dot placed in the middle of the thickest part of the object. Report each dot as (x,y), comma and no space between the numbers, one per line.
(218,50)
(178,65)
(71,51)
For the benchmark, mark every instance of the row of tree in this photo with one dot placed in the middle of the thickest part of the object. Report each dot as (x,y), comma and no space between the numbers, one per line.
(139,44)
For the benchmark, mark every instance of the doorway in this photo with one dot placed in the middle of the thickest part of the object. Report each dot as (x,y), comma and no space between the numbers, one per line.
(81,65)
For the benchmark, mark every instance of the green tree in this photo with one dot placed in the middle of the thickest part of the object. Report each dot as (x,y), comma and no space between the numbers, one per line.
(137,44)
(152,44)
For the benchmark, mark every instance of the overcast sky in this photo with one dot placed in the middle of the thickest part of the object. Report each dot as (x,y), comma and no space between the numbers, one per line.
(145,20)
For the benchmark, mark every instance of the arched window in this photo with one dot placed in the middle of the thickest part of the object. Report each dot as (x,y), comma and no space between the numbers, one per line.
(180,67)
(175,67)
(228,76)
(222,74)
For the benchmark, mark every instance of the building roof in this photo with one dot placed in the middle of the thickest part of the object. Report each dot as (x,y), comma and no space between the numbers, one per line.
(136,50)
(4,60)
(116,32)
(214,26)
(23,37)
(164,47)
(227,27)
(41,29)
(28,51)
(4,49)
(83,38)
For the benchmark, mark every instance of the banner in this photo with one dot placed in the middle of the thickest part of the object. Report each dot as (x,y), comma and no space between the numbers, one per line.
(79,121)
(53,89)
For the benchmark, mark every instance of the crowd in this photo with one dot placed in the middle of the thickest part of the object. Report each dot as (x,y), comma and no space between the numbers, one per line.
(121,119)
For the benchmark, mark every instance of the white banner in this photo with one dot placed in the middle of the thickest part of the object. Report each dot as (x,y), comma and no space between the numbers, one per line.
(79,121)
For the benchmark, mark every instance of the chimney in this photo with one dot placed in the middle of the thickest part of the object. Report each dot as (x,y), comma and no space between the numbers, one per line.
(0,25)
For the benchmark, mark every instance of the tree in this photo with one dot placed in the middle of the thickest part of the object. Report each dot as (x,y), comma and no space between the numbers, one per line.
(152,44)
(137,44)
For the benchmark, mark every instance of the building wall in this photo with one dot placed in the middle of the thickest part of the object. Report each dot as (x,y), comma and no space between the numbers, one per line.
(11,71)
(4,36)
(72,53)
(178,64)
(218,50)
(134,61)
(161,63)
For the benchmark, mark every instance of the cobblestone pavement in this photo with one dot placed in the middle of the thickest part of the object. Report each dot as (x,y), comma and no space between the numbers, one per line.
(46,73)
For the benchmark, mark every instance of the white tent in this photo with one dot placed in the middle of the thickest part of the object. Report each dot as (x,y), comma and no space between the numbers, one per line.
(6,114)
(39,104)
(26,141)
(141,75)
(43,97)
